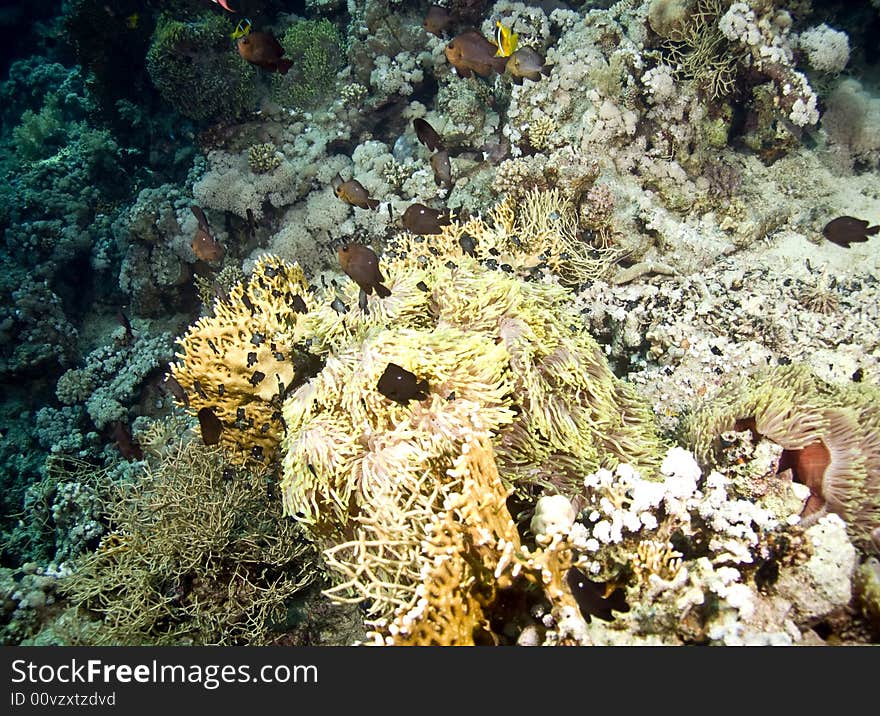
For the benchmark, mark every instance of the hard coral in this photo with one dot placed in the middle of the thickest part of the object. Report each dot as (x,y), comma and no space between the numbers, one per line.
(242,360)
(263,158)
(199,555)
(830,439)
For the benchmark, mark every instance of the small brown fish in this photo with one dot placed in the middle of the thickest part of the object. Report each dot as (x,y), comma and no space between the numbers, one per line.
(361,265)
(595,598)
(436,20)
(471,53)
(353,192)
(427,135)
(127,445)
(263,50)
(210,426)
(442,169)
(126,324)
(171,385)
(525,63)
(421,219)
(204,245)
(401,386)
(846,230)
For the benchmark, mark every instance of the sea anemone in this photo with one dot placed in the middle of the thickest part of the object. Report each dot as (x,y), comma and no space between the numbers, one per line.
(829,435)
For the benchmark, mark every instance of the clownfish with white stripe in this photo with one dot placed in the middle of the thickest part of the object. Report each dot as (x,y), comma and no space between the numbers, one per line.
(505,40)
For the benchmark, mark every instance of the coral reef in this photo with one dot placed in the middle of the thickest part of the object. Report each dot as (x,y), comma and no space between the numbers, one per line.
(317,51)
(110,379)
(632,260)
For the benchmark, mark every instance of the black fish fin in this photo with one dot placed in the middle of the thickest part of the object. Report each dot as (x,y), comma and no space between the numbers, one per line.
(382,291)
(372,203)
(283,65)
(545,70)
(871,230)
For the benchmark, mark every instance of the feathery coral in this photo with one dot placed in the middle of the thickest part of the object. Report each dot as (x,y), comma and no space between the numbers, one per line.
(447,584)
(499,354)
(195,557)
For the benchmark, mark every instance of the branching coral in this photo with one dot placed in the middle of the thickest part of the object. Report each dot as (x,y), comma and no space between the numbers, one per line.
(198,554)
(263,158)
(243,359)
(830,438)
(443,588)
(700,50)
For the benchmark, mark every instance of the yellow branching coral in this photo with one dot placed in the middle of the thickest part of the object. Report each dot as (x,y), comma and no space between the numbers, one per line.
(240,360)
(830,438)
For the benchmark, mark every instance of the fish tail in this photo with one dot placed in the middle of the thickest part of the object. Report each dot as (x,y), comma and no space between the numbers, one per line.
(545,70)
(283,65)
(499,64)
(372,203)
(382,291)
(871,230)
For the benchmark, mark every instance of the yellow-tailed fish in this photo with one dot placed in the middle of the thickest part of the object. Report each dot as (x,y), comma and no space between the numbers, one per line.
(505,40)
(242,29)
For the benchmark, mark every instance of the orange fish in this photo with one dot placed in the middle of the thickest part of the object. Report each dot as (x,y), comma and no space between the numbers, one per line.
(353,192)
(470,53)
(421,219)
(436,20)
(361,265)
(263,50)
(204,245)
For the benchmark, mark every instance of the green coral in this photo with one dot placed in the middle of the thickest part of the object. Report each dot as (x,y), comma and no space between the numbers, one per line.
(197,70)
(318,51)
(40,134)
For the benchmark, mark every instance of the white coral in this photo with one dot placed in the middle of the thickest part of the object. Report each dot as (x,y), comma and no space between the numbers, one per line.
(827,49)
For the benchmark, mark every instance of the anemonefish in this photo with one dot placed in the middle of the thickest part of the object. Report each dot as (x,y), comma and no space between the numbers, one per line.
(505,40)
